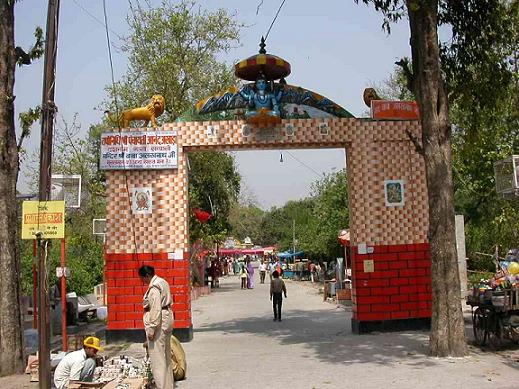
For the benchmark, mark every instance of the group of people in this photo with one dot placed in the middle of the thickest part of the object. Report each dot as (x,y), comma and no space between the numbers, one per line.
(277,285)
(246,274)
(218,267)
(166,364)
(158,325)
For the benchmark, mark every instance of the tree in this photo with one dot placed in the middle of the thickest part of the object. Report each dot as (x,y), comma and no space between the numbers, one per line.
(277,224)
(11,344)
(213,190)
(447,335)
(172,50)
(425,77)
(245,220)
(75,154)
(481,67)
(484,101)
(330,215)
(318,219)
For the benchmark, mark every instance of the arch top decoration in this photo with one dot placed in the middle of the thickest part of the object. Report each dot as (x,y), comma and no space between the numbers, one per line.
(267,102)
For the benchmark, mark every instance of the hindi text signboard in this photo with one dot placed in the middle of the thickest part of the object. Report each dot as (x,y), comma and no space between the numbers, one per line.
(47,217)
(138,150)
(398,110)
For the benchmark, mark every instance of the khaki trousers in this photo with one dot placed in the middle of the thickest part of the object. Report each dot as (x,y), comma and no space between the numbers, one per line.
(160,358)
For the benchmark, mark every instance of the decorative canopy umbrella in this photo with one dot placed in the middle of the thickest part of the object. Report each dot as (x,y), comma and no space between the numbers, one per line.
(268,65)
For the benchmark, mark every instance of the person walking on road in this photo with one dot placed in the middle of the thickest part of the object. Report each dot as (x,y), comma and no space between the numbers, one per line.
(250,274)
(277,288)
(243,277)
(271,268)
(158,324)
(262,269)
(78,365)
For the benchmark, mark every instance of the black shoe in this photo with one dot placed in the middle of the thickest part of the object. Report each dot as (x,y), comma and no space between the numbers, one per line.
(279,319)
(275,319)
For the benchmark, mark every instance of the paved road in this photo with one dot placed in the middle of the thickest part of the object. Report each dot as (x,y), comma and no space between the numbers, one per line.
(237,345)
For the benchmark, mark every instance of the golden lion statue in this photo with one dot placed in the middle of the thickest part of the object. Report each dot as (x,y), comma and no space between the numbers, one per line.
(149,113)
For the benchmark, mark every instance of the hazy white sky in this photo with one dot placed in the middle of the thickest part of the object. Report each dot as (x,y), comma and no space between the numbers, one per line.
(335,47)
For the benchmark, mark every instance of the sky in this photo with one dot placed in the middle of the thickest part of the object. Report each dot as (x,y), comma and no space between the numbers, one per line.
(335,47)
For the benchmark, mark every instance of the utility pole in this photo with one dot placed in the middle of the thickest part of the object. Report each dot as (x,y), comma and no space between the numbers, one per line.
(294,240)
(48,110)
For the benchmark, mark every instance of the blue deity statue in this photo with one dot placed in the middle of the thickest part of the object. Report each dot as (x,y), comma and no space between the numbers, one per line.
(260,100)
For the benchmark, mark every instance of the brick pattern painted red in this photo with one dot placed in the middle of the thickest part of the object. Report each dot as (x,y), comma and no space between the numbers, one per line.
(399,287)
(125,289)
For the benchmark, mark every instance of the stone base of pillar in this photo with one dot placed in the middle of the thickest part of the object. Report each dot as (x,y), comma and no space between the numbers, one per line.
(137,335)
(365,327)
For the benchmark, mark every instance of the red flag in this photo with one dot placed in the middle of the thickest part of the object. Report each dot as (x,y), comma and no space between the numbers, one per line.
(202,216)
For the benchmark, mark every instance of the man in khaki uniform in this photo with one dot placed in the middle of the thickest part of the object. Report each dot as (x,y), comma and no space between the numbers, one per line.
(158,324)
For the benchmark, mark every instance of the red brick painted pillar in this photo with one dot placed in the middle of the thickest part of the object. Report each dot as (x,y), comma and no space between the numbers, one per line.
(393,291)
(125,291)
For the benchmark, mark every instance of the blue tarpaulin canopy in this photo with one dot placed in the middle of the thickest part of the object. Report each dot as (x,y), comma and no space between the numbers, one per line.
(289,254)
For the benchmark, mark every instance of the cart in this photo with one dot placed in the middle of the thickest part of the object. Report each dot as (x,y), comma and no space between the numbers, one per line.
(495,316)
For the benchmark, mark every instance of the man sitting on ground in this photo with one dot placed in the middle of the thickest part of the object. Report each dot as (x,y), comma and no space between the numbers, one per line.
(78,365)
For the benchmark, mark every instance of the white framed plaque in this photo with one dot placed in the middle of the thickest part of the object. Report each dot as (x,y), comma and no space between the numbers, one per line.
(142,201)
(139,150)
(394,193)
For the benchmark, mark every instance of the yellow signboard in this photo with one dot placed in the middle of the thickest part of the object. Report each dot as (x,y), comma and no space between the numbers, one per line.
(47,217)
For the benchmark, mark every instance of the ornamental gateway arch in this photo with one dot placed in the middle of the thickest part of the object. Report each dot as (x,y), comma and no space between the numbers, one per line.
(391,266)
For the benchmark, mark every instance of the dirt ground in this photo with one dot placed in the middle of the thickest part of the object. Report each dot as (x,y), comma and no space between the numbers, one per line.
(237,345)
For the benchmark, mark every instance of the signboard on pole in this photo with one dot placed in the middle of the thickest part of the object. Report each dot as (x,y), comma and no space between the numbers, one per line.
(138,150)
(47,217)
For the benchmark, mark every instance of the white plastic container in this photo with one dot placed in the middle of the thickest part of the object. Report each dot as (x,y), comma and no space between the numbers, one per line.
(102,312)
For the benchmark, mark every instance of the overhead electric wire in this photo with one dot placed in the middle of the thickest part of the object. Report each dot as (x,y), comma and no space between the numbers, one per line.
(134,234)
(275,17)
(97,19)
(111,62)
(304,164)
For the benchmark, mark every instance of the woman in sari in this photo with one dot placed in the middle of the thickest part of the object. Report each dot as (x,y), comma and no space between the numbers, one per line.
(250,274)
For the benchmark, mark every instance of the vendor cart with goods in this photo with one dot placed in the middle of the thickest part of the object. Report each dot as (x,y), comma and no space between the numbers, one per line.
(495,307)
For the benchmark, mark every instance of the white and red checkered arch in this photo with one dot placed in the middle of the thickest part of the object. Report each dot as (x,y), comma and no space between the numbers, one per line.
(397,288)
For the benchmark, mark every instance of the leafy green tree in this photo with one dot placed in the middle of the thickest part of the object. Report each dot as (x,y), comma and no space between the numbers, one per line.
(481,67)
(314,221)
(426,76)
(214,184)
(330,215)
(245,220)
(277,227)
(75,154)
(172,50)
(484,98)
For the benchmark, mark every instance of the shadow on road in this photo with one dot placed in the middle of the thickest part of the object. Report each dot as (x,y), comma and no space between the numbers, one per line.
(328,336)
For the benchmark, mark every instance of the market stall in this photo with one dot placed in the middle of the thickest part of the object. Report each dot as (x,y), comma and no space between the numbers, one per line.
(495,306)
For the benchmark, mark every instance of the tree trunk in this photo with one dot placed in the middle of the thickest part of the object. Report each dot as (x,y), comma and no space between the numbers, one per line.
(447,336)
(11,342)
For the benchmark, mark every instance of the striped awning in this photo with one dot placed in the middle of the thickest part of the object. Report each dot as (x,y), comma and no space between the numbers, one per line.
(272,67)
